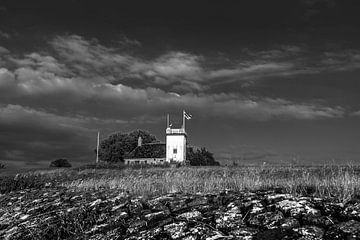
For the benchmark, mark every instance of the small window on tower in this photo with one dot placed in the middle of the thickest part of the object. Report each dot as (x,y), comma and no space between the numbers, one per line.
(175,150)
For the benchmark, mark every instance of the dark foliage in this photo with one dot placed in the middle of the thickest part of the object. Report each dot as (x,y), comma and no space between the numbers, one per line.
(61,162)
(200,157)
(116,146)
(150,151)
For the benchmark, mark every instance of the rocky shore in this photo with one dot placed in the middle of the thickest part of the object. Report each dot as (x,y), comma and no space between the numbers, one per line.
(59,213)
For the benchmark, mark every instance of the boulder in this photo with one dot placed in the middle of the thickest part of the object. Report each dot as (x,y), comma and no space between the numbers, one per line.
(344,231)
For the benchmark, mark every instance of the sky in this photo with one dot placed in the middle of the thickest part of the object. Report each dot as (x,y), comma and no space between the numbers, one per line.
(266,81)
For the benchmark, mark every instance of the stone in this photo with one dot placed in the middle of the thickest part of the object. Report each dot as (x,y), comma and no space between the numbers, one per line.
(310,232)
(198,201)
(153,218)
(109,215)
(135,207)
(277,234)
(352,211)
(332,209)
(193,215)
(290,223)
(156,206)
(344,231)
(320,221)
(274,198)
(176,230)
(136,225)
(297,208)
(267,220)
(228,221)
(257,207)
(178,205)
(244,233)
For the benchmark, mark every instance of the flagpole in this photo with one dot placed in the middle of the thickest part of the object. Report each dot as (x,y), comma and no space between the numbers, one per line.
(168,121)
(97,148)
(184,120)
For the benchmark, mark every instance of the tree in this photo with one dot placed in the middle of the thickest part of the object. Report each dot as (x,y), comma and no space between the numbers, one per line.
(116,146)
(200,157)
(61,162)
(2,166)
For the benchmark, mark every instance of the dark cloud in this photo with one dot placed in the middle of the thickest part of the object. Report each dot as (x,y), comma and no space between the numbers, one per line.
(32,136)
(84,71)
(257,72)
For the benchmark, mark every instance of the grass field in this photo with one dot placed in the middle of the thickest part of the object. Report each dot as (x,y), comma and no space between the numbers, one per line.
(339,182)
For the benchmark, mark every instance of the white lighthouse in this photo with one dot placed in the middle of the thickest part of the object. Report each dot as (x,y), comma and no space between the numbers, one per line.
(176,141)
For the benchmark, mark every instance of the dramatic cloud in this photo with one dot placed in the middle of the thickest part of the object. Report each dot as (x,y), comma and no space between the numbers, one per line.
(186,72)
(78,86)
(83,77)
(71,95)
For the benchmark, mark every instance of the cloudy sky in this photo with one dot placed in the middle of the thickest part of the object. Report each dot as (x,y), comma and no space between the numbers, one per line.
(274,81)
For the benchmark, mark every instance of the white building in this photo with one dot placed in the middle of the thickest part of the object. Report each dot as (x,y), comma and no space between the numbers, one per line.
(175,145)
(176,141)
(173,151)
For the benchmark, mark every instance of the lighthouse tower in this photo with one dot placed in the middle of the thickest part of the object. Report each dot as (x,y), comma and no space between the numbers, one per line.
(176,141)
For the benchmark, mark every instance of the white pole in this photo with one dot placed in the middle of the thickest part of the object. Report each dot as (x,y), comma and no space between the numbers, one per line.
(167,121)
(97,148)
(184,120)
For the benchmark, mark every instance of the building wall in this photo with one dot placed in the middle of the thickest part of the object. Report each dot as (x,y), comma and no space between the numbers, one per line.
(144,161)
(175,148)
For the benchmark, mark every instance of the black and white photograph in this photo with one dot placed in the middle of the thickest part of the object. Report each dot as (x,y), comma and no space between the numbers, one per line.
(189,120)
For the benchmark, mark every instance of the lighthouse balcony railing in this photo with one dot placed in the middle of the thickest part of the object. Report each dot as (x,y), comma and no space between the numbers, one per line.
(175,131)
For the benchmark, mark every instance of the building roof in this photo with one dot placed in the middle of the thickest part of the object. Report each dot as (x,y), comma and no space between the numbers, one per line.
(148,150)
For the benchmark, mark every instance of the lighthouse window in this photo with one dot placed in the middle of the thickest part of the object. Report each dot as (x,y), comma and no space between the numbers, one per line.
(175,150)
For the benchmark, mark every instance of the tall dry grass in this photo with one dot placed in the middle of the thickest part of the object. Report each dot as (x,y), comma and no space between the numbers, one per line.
(340,182)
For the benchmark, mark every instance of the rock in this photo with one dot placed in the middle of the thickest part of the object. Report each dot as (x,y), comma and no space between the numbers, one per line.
(277,234)
(153,218)
(176,230)
(107,214)
(310,232)
(274,198)
(95,203)
(155,233)
(344,231)
(332,209)
(198,201)
(199,231)
(256,207)
(352,211)
(244,233)
(193,215)
(178,205)
(156,205)
(320,221)
(135,207)
(136,225)
(267,220)
(228,221)
(289,223)
(298,208)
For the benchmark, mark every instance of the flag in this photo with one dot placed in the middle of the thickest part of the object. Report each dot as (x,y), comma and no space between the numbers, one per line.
(187,115)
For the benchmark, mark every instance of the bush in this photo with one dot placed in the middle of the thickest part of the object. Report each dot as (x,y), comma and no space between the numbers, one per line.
(116,146)
(200,157)
(61,162)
